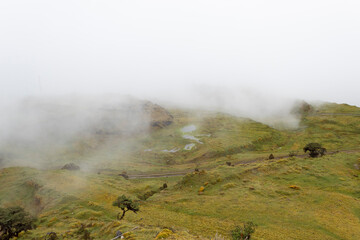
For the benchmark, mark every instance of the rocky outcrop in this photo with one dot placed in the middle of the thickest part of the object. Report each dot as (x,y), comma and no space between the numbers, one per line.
(159,116)
(71,167)
(131,117)
(302,108)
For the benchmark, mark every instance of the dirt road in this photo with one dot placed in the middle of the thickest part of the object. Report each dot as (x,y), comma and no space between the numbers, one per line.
(243,162)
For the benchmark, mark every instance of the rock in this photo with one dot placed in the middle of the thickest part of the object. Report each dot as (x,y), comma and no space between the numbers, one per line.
(160,117)
(71,167)
(131,117)
(118,235)
(124,175)
(357,166)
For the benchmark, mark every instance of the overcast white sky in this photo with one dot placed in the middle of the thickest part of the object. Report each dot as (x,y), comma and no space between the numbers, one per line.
(301,49)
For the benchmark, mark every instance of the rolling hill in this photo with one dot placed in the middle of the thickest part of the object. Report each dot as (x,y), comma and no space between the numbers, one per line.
(216,167)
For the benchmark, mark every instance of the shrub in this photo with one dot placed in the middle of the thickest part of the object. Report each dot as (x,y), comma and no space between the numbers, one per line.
(150,193)
(292,153)
(164,186)
(125,204)
(243,233)
(315,149)
(14,220)
(146,195)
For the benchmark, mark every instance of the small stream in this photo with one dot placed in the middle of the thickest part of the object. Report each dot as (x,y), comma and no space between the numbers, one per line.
(174,150)
(189,129)
(186,130)
(190,146)
(192,138)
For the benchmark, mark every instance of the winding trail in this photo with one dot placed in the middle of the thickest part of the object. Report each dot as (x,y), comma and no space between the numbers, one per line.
(243,162)
(335,114)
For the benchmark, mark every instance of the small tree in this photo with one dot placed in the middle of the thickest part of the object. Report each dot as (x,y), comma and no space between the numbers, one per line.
(126,204)
(315,149)
(243,233)
(14,220)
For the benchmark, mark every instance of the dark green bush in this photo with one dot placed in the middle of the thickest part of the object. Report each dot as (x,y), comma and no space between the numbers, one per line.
(315,149)
(125,204)
(14,220)
(243,233)
(146,195)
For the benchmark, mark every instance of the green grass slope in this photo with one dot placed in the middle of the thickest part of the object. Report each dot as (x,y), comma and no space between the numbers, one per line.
(288,198)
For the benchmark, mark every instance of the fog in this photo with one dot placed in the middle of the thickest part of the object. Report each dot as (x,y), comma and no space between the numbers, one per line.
(36,130)
(247,58)
(306,50)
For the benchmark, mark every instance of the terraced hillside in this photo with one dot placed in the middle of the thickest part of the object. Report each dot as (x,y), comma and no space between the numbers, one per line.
(287,197)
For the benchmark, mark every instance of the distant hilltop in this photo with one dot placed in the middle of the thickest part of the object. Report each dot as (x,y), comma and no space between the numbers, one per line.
(62,117)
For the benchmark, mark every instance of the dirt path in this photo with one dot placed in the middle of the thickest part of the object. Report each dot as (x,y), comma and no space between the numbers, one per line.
(335,114)
(243,162)
(158,175)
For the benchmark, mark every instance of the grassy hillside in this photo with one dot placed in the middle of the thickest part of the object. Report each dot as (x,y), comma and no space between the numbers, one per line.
(288,198)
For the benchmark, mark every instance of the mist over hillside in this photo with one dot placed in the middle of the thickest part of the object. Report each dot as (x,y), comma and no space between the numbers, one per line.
(37,130)
(179,120)
(52,123)
(271,108)
(65,115)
